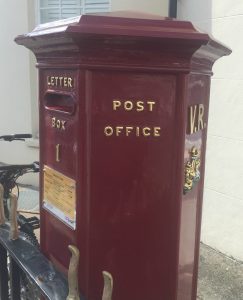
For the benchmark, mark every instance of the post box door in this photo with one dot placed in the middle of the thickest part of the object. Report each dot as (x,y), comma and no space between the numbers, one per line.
(59,155)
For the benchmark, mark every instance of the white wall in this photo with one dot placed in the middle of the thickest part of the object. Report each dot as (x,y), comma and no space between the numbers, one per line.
(159,7)
(15,87)
(222,225)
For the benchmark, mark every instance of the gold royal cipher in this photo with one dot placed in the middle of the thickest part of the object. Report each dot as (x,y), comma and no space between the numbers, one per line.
(192,172)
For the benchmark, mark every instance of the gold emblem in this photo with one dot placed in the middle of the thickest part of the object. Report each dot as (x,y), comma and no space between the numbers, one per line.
(192,172)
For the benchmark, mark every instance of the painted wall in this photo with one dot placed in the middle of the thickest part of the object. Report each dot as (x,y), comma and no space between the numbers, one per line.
(159,7)
(15,99)
(223,196)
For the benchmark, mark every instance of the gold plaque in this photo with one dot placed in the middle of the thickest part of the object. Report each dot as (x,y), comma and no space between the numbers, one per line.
(60,196)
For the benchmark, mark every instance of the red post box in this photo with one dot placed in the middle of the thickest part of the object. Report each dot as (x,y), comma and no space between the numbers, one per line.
(123,124)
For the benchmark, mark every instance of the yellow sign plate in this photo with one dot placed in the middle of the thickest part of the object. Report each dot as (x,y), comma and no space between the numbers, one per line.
(60,196)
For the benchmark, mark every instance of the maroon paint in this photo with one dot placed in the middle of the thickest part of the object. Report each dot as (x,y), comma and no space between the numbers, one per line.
(132,217)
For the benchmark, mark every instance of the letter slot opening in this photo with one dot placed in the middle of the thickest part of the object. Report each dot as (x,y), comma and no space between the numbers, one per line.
(59,102)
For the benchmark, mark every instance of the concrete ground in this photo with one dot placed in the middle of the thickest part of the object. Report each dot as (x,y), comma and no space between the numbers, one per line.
(28,199)
(220,277)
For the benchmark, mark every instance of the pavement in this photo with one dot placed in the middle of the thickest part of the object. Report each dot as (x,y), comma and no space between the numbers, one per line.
(28,198)
(220,276)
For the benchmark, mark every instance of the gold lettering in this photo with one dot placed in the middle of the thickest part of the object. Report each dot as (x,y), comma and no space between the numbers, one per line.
(140,106)
(196,118)
(150,104)
(60,81)
(157,131)
(118,130)
(70,82)
(58,124)
(128,105)
(137,131)
(63,125)
(53,122)
(193,110)
(128,130)
(146,131)
(58,153)
(116,103)
(200,117)
(108,131)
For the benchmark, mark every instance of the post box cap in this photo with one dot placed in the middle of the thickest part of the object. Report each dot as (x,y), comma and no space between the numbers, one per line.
(122,23)
(123,27)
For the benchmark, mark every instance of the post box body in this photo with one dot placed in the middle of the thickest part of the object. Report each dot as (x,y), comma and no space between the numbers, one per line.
(123,125)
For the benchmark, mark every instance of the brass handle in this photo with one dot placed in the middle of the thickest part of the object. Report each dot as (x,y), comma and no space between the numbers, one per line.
(14,231)
(2,216)
(108,286)
(73,274)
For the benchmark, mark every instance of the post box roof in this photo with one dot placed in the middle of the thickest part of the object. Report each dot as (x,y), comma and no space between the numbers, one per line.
(122,24)
(165,33)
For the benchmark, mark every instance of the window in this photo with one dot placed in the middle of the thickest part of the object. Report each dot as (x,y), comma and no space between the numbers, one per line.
(52,10)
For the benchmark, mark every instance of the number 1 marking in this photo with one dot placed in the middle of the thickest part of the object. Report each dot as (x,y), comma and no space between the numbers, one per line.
(58,146)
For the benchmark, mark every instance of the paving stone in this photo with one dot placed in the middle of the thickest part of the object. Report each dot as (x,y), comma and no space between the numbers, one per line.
(220,277)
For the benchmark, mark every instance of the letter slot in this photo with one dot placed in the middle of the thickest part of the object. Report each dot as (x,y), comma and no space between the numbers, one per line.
(59,102)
